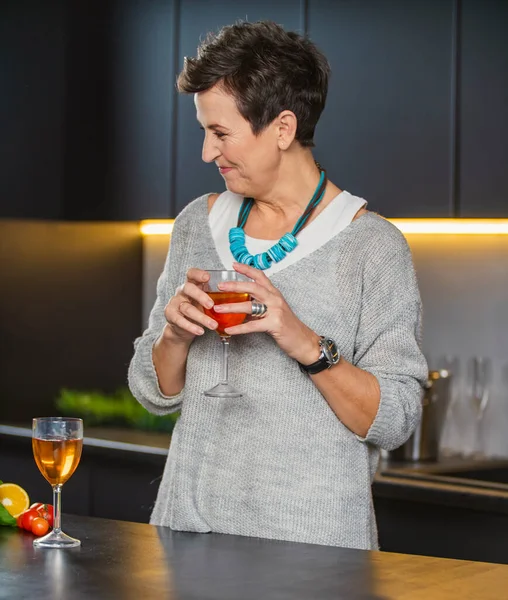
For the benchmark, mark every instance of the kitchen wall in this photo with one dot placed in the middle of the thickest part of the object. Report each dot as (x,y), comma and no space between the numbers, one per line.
(464,287)
(70,300)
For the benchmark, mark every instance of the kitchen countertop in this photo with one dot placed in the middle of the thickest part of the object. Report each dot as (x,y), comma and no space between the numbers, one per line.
(128,440)
(125,560)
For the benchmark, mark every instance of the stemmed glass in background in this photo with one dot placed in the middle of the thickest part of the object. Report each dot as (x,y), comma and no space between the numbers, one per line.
(479,395)
(57,443)
(224,389)
(453,427)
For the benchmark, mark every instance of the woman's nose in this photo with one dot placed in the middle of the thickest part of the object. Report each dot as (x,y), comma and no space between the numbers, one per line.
(210,151)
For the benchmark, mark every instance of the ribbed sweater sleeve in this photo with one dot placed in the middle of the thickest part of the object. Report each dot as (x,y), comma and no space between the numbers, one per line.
(388,342)
(142,376)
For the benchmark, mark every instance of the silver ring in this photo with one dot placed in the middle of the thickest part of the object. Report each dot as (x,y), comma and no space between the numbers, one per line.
(258,309)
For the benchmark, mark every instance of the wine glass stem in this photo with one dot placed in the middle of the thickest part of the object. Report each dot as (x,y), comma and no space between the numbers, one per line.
(57,505)
(225,359)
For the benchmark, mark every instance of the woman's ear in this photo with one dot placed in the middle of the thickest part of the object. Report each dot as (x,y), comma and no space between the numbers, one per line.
(286,128)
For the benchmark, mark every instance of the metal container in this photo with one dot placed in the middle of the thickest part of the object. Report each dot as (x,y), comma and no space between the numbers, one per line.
(424,443)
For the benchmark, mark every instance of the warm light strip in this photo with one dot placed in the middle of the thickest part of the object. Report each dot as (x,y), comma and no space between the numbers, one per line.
(452,226)
(159,227)
(407,226)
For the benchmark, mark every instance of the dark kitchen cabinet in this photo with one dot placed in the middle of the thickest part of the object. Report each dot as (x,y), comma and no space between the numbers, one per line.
(120,109)
(32,108)
(483,132)
(193,177)
(93,128)
(385,132)
(108,483)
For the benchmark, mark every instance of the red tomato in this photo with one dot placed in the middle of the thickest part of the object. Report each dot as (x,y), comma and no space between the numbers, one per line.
(28,517)
(39,526)
(46,512)
(19,521)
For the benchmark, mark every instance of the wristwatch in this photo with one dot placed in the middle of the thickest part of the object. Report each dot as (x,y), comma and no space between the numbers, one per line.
(329,356)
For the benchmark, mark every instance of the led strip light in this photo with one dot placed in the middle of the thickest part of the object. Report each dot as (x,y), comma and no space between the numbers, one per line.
(407,226)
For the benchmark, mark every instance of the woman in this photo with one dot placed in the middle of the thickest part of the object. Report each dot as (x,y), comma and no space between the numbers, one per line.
(330,365)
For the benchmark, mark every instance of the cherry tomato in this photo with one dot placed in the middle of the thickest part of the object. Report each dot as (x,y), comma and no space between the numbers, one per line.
(46,512)
(40,526)
(28,517)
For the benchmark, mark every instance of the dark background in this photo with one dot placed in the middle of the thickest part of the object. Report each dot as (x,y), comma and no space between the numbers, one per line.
(94,137)
(92,126)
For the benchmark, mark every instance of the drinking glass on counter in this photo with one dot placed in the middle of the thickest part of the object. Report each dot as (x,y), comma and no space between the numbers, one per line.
(57,443)
(224,389)
(479,395)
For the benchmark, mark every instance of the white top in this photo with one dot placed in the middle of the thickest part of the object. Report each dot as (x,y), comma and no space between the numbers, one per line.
(333,218)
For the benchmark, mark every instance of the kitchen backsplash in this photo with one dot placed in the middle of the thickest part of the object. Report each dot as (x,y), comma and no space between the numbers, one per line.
(464,287)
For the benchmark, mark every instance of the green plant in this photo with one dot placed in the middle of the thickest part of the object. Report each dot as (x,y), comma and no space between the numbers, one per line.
(119,409)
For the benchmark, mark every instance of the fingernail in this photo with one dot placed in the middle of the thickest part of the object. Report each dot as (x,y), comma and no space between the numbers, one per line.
(209,304)
(218,308)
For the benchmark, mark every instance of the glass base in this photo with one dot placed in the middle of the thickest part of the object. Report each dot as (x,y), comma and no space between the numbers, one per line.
(223,390)
(56,540)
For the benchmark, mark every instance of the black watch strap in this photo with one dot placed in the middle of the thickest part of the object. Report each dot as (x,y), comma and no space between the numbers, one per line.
(329,356)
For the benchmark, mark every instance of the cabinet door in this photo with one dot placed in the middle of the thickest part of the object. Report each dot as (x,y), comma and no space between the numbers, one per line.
(32,108)
(119,109)
(197,17)
(484,109)
(385,132)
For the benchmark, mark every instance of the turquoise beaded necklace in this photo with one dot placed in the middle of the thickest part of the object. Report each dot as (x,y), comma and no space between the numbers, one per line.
(287,242)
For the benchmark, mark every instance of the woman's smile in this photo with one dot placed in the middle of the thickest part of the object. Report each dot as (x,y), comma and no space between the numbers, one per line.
(225,170)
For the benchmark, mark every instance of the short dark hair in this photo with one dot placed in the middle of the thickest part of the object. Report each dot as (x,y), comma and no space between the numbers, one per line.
(267,70)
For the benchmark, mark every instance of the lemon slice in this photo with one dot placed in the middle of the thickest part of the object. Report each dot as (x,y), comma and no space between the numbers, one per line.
(14,498)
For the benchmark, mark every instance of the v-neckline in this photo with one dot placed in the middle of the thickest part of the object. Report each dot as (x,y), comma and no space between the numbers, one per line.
(351,226)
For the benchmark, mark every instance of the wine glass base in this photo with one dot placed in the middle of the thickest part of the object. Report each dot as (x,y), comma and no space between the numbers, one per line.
(223,390)
(56,540)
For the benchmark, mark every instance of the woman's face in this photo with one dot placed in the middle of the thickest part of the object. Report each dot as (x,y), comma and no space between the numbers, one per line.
(247,162)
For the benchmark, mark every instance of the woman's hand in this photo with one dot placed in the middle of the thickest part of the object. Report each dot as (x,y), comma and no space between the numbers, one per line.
(294,337)
(184,311)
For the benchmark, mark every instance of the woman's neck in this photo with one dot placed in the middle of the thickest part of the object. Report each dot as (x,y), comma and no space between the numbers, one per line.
(288,195)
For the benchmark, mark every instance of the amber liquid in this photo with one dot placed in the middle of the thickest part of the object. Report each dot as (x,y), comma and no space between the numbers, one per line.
(57,459)
(227,319)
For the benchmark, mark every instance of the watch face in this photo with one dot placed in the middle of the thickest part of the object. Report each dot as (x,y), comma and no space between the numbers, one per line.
(331,352)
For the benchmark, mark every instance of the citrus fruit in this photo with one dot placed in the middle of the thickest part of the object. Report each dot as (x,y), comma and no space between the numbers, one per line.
(14,498)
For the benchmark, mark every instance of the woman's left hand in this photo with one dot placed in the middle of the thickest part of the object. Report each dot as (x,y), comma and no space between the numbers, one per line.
(294,337)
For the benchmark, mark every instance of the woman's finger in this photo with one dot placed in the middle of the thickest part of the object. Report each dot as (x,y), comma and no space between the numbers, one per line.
(234,307)
(258,276)
(197,276)
(176,319)
(192,291)
(246,287)
(191,312)
(255,326)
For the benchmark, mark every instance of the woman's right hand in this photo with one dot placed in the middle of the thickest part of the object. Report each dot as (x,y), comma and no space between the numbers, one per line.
(184,311)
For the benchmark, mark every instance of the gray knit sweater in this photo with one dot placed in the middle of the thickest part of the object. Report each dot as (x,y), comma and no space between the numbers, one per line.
(278,463)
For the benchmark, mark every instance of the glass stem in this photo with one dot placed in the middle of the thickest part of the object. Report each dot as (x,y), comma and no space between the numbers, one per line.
(57,505)
(225,358)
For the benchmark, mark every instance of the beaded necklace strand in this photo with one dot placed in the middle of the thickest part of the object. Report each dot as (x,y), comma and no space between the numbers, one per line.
(287,242)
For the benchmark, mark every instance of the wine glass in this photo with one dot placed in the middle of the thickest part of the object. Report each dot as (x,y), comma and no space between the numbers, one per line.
(223,389)
(479,393)
(57,443)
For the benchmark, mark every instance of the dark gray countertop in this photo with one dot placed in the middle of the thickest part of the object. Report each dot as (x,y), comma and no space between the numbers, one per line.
(132,561)
(129,440)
